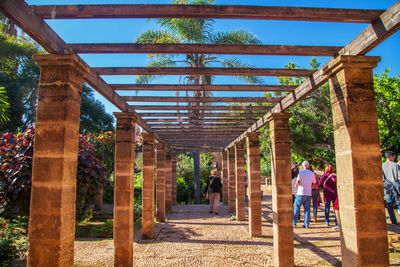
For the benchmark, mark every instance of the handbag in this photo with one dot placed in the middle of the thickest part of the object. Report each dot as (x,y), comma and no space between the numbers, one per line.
(212,180)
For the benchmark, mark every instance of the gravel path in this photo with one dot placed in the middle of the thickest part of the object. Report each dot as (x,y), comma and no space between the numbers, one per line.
(193,237)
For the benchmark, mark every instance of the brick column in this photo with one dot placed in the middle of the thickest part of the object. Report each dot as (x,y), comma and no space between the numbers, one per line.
(231,183)
(123,189)
(253,165)
(282,207)
(225,178)
(148,174)
(358,159)
(168,180)
(160,184)
(52,210)
(173,159)
(239,182)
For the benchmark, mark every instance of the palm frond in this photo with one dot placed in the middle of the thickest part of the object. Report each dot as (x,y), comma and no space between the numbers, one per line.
(234,62)
(236,37)
(160,62)
(157,37)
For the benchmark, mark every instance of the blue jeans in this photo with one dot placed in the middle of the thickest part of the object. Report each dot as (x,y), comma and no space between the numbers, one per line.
(389,206)
(306,202)
(327,211)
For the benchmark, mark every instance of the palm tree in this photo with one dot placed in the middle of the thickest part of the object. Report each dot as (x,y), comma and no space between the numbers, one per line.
(194,31)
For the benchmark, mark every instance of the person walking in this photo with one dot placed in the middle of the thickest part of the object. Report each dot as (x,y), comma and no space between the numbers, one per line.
(390,171)
(328,184)
(303,183)
(212,191)
(315,196)
(295,173)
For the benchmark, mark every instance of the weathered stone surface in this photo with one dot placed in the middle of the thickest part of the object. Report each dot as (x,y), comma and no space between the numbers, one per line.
(168,181)
(123,189)
(358,161)
(173,159)
(240,181)
(160,182)
(253,165)
(52,213)
(148,174)
(231,180)
(225,179)
(281,189)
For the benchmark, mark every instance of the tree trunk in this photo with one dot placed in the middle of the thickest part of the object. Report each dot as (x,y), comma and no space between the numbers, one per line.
(196,166)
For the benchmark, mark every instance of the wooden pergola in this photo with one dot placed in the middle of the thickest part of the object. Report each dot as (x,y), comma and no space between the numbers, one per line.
(195,126)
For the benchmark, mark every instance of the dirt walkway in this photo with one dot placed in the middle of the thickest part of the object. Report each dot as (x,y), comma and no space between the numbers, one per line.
(193,237)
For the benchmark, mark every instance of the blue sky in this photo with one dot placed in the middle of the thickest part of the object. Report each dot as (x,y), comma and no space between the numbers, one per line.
(269,32)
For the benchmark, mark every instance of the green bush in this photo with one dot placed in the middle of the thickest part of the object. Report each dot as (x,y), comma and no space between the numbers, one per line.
(13,239)
(104,230)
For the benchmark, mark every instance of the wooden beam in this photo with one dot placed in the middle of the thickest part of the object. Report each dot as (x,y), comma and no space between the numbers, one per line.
(383,27)
(218,49)
(177,148)
(209,114)
(201,99)
(207,11)
(203,71)
(195,131)
(211,87)
(202,108)
(149,121)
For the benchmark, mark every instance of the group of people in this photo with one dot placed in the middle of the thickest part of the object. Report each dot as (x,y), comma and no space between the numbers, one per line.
(306,186)
(391,184)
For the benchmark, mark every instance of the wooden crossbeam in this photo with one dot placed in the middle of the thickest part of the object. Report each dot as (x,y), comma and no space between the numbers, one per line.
(387,24)
(162,131)
(211,87)
(207,11)
(201,99)
(203,71)
(218,49)
(177,148)
(208,114)
(149,121)
(201,108)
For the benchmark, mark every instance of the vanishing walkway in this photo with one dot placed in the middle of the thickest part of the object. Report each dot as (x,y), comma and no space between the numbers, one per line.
(193,237)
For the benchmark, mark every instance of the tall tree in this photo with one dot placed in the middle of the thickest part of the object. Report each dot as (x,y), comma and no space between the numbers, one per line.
(200,31)
(387,94)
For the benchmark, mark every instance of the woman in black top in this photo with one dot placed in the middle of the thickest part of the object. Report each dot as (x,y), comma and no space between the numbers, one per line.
(213,189)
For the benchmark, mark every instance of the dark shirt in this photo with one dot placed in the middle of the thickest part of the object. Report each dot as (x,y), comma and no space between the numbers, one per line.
(295,172)
(330,190)
(215,186)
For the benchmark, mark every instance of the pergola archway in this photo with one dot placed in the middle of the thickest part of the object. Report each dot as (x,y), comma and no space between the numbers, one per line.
(51,230)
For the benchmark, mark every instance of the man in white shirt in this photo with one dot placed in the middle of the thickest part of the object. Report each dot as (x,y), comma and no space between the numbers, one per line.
(304,192)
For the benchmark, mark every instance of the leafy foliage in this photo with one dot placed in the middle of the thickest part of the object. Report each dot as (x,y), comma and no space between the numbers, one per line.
(94,119)
(387,94)
(16,172)
(13,239)
(4,106)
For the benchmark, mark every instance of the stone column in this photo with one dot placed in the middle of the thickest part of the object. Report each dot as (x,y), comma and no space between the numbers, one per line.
(123,189)
(225,177)
(160,184)
(253,165)
(52,210)
(358,159)
(168,180)
(282,207)
(148,174)
(173,159)
(239,181)
(231,183)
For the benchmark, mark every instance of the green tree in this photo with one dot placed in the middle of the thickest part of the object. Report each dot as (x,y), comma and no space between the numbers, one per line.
(94,118)
(4,106)
(200,31)
(387,94)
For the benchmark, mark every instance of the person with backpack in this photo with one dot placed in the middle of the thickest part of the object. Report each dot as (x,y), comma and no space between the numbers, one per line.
(212,191)
(328,183)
